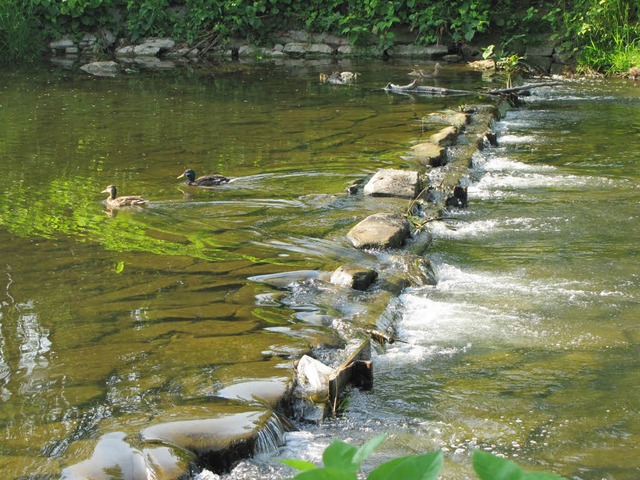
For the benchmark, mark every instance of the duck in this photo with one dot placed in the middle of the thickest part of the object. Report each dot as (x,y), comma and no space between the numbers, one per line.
(421,73)
(205,180)
(126,201)
(348,77)
(339,78)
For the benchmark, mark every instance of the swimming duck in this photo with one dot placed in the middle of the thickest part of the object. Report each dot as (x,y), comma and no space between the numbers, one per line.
(339,78)
(421,73)
(126,201)
(349,76)
(205,180)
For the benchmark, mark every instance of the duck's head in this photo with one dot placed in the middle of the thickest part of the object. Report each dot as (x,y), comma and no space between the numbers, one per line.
(189,174)
(111,190)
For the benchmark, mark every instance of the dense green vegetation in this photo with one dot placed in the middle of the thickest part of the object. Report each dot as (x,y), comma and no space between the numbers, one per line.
(604,34)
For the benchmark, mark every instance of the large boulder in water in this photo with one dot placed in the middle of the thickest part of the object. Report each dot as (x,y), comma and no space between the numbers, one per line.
(380,230)
(393,183)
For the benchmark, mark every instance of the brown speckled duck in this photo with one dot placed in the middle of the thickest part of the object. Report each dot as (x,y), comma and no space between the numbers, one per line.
(205,180)
(127,201)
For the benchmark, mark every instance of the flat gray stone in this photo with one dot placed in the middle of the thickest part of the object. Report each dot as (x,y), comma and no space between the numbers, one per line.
(101,69)
(380,230)
(393,183)
(430,51)
(320,48)
(61,44)
(296,48)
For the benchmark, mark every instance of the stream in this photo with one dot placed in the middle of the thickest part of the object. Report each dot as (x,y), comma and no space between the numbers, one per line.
(526,347)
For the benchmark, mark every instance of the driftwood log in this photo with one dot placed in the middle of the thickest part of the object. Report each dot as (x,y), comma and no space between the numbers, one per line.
(414,88)
(523,88)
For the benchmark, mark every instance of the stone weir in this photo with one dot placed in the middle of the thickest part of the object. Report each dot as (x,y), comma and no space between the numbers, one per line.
(252,416)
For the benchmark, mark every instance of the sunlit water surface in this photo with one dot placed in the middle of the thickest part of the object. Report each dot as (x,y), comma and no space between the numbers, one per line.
(527,347)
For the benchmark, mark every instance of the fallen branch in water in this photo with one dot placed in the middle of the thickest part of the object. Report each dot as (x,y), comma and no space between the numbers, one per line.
(523,88)
(413,87)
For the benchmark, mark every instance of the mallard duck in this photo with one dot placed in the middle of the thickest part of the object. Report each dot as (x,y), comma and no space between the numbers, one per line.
(348,77)
(127,201)
(205,180)
(416,72)
(339,78)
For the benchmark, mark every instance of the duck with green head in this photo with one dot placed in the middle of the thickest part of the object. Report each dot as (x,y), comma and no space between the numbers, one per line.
(205,180)
(113,201)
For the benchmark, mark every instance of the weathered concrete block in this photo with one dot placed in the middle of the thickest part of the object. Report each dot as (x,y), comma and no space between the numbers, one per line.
(380,230)
(393,183)
(353,276)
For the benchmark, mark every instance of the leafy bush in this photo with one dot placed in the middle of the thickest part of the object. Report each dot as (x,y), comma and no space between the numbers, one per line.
(607,32)
(342,461)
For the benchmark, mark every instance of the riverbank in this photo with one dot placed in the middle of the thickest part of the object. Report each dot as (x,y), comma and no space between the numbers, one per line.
(102,54)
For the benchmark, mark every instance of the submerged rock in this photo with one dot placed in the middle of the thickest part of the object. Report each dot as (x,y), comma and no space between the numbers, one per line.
(112,453)
(218,442)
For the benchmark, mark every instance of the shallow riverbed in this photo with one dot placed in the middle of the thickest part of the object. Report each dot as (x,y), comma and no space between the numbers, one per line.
(526,347)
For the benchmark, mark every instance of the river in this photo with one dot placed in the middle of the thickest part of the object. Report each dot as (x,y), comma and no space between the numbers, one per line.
(526,347)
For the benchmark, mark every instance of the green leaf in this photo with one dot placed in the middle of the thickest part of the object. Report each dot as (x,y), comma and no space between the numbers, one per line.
(119,267)
(302,465)
(367,449)
(412,467)
(491,467)
(326,474)
(340,455)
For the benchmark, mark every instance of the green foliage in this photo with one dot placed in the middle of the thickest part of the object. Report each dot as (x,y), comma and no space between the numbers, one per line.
(342,461)
(76,16)
(20,38)
(490,467)
(603,30)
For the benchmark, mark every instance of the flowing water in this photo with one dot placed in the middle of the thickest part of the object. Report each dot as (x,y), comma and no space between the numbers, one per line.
(526,347)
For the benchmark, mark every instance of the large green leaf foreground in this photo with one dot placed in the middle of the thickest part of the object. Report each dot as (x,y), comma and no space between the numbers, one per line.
(342,461)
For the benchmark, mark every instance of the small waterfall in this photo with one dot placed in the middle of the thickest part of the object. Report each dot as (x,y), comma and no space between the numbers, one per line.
(271,437)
